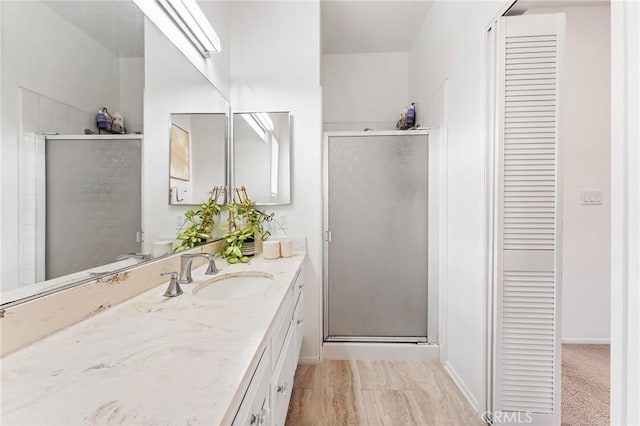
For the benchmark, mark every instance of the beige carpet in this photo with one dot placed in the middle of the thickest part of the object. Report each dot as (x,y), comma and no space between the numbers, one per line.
(585,385)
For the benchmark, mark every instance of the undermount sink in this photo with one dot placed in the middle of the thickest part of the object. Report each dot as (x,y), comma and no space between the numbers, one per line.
(234,286)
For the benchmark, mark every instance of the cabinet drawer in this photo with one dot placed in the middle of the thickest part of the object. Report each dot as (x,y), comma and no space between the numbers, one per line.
(280,330)
(298,322)
(282,382)
(254,409)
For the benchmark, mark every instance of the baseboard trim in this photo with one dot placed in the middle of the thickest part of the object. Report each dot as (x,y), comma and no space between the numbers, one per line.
(380,351)
(462,386)
(309,360)
(578,341)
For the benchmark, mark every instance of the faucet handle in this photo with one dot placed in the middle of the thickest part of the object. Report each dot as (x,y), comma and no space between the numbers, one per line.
(212,269)
(174,288)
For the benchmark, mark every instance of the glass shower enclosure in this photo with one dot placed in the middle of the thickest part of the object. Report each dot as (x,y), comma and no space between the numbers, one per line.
(376,195)
(93,201)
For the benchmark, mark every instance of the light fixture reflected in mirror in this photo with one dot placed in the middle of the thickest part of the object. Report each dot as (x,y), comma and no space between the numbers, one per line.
(262,155)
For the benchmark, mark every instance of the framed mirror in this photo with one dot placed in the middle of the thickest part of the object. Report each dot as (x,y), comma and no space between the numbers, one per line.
(198,152)
(262,155)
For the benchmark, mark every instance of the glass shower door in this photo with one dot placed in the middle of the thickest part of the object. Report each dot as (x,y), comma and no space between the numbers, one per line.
(93,201)
(376,215)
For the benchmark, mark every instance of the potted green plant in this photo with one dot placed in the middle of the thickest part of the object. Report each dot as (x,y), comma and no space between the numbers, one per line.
(245,229)
(201,224)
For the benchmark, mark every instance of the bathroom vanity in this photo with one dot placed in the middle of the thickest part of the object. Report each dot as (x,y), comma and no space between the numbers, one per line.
(191,359)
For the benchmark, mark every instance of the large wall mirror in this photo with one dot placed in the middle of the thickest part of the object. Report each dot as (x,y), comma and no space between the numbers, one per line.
(198,148)
(90,201)
(262,154)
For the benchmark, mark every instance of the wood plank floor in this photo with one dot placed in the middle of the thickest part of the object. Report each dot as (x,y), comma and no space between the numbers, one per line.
(377,393)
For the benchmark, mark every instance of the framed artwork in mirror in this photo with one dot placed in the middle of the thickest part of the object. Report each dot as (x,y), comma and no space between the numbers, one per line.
(179,153)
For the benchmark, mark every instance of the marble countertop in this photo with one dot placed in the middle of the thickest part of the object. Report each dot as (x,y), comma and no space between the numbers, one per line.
(150,360)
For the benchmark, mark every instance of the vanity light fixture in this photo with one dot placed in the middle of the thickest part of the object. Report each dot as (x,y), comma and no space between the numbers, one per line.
(188,16)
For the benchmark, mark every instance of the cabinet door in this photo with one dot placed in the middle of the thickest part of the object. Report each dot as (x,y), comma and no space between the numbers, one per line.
(283,379)
(298,322)
(254,410)
(281,328)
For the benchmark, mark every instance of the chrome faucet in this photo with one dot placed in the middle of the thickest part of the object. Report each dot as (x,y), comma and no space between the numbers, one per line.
(185,266)
(141,257)
(174,288)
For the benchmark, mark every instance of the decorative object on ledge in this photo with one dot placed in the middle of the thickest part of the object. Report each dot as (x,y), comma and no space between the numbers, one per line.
(201,223)
(407,118)
(245,227)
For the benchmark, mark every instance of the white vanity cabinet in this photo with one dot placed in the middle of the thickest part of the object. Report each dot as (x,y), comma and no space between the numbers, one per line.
(254,410)
(267,398)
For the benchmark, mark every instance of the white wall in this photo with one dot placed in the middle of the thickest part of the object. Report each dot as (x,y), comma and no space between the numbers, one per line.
(72,69)
(449,46)
(131,75)
(172,85)
(277,70)
(585,165)
(364,90)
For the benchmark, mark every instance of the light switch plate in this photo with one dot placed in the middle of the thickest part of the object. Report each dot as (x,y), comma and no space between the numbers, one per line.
(591,198)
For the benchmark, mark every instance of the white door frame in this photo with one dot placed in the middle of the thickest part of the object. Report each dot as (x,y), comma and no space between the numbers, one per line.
(625,212)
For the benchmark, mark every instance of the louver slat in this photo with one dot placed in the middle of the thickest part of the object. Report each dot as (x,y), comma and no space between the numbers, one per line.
(527,340)
(528,169)
(528,343)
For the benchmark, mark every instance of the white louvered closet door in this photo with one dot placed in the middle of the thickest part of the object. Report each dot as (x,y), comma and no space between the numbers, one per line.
(527,342)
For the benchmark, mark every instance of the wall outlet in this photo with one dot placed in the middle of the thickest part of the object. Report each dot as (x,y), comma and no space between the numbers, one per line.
(179,222)
(283,220)
(591,198)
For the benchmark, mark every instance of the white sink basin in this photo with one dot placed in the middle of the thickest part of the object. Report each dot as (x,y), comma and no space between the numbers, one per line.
(234,286)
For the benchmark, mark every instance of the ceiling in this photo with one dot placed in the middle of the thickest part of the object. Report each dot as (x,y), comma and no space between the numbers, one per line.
(117,25)
(353,26)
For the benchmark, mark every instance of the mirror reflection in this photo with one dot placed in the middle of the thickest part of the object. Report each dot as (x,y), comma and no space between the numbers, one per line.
(90,188)
(262,143)
(198,156)
(76,149)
